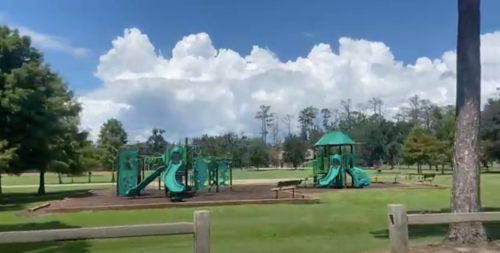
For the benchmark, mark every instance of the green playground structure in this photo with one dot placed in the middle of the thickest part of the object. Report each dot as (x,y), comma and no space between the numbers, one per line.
(335,158)
(182,172)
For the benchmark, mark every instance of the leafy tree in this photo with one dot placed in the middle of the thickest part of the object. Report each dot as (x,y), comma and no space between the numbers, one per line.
(466,186)
(306,120)
(38,104)
(6,155)
(258,153)
(420,147)
(156,143)
(294,149)
(326,114)
(111,138)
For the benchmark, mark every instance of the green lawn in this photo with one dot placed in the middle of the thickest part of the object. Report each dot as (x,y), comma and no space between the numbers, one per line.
(103,177)
(347,221)
(50,178)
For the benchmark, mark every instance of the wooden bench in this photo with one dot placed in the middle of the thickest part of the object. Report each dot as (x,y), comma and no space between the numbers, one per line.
(427,178)
(286,185)
(411,176)
(375,176)
(421,177)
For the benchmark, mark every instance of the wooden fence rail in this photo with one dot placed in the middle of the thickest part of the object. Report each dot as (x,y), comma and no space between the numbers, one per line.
(399,221)
(199,228)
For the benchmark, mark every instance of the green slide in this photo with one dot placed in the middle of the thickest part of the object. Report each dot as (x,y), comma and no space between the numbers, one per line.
(138,188)
(332,173)
(360,177)
(169,178)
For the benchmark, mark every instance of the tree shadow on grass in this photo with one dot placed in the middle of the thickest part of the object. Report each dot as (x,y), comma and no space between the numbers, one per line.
(422,231)
(43,247)
(21,201)
(490,172)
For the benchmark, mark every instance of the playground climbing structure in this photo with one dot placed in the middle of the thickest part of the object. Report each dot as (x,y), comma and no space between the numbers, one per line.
(332,170)
(182,174)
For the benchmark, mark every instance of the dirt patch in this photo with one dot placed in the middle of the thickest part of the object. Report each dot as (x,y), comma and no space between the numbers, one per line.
(451,248)
(100,200)
(489,247)
(374,186)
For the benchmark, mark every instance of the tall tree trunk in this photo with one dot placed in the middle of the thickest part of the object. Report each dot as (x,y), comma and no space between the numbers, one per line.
(41,186)
(1,193)
(466,186)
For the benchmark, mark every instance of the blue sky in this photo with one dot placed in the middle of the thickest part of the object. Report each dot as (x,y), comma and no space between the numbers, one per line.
(289,28)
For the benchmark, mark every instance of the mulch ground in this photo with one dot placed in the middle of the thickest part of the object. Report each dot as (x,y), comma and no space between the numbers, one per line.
(101,200)
(491,247)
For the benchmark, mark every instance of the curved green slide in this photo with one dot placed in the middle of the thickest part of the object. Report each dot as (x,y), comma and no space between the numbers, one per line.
(169,178)
(332,173)
(359,176)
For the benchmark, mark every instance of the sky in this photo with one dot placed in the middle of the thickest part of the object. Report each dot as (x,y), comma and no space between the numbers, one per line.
(196,67)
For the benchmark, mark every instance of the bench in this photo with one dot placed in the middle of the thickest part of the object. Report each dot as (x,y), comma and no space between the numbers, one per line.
(286,185)
(396,175)
(427,178)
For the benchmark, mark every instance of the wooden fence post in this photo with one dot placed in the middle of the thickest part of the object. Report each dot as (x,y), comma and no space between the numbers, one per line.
(398,229)
(201,232)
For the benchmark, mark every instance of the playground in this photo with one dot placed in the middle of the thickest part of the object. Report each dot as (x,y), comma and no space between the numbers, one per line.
(185,172)
(183,177)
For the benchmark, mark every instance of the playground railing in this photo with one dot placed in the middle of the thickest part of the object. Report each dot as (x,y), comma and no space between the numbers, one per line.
(399,221)
(199,228)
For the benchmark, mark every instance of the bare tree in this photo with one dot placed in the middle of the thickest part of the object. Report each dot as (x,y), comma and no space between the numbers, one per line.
(376,104)
(287,120)
(266,118)
(466,192)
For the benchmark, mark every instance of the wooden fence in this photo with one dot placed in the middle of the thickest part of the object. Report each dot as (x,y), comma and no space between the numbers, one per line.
(199,228)
(399,221)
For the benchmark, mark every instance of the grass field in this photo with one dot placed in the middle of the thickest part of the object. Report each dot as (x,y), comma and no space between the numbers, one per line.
(105,177)
(346,222)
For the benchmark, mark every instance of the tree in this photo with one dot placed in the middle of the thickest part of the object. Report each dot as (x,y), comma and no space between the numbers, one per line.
(112,137)
(466,185)
(258,153)
(38,104)
(306,119)
(287,120)
(6,155)
(266,118)
(294,149)
(327,114)
(420,147)
(156,143)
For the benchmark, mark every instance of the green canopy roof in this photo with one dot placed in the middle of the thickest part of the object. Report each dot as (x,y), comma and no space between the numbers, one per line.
(335,138)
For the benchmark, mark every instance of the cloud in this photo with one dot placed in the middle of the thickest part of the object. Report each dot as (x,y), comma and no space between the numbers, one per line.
(309,34)
(51,42)
(202,89)
(46,41)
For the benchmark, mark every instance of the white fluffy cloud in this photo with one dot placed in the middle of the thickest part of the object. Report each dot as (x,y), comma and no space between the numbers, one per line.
(202,89)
